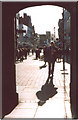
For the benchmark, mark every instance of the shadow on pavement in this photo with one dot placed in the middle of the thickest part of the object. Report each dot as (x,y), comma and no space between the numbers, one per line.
(47,91)
(43,66)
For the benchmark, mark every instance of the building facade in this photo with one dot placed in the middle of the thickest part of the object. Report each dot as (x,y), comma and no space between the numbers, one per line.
(25,31)
(67,22)
(64,30)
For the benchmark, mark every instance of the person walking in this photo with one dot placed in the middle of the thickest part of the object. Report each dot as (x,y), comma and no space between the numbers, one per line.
(52,55)
(45,54)
(38,51)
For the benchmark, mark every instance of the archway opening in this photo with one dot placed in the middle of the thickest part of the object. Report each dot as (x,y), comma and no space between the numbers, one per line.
(29,77)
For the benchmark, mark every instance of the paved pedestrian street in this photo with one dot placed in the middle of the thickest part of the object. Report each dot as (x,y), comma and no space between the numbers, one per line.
(29,81)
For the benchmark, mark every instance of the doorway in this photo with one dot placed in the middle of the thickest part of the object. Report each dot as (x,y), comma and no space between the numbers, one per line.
(31,74)
(10,44)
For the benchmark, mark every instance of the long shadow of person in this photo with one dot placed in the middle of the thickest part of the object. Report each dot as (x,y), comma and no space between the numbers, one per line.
(47,91)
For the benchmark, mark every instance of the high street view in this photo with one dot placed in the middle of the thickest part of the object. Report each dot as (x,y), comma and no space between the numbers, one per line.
(42,56)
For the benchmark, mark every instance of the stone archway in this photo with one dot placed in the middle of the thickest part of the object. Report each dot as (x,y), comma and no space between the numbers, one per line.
(9,96)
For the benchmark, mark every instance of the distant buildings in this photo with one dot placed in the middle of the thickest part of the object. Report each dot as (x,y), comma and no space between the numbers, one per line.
(26,36)
(24,31)
(42,39)
(48,36)
(45,38)
(67,22)
(64,30)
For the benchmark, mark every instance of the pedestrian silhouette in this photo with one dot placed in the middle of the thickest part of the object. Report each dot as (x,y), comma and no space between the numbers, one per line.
(51,58)
(45,54)
(37,51)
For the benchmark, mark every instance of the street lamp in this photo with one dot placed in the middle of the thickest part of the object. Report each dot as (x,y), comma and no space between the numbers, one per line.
(54,33)
(63,43)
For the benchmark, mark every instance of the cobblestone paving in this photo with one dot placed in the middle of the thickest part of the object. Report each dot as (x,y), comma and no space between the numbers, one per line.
(29,80)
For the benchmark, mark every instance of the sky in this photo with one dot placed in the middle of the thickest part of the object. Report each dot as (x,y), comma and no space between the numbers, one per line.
(44,18)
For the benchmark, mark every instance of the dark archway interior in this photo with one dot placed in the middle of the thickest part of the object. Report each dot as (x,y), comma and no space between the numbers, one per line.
(9,95)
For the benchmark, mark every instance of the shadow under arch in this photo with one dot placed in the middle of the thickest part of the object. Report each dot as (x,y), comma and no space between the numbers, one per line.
(47,91)
(9,10)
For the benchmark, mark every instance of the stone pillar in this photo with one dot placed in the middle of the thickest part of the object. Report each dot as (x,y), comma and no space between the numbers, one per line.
(73,91)
(0,60)
(9,95)
(77,57)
